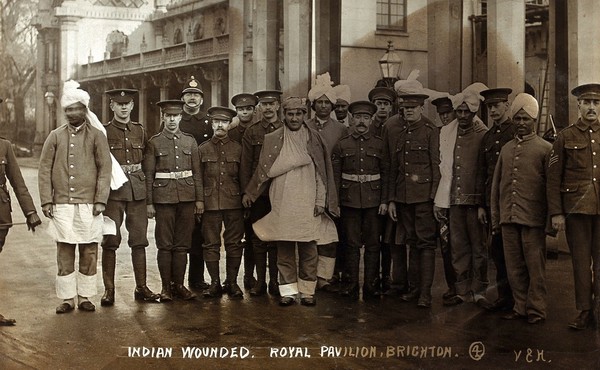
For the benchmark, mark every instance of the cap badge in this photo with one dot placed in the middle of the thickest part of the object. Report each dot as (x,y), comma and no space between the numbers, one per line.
(122,93)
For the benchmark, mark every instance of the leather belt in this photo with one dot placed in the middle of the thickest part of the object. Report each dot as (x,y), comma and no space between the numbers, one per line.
(360,178)
(173,175)
(129,168)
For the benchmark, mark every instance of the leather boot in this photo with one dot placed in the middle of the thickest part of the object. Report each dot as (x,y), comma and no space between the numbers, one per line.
(249,279)
(163,259)
(179,265)
(414,259)
(233,267)
(351,289)
(108,277)
(386,268)
(215,290)
(273,272)
(260,288)
(399,269)
(138,260)
(427,270)
(371,286)
(196,272)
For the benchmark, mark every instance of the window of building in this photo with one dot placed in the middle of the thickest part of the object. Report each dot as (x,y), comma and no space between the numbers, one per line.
(178,38)
(391,15)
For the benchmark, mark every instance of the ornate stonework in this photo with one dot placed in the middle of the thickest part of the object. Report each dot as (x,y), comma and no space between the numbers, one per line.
(121,3)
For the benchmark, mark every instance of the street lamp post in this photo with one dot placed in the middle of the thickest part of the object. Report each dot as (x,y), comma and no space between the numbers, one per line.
(390,66)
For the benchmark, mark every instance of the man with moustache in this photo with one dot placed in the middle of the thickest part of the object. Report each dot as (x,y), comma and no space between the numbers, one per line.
(414,177)
(501,132)
(252,143)
(127,140)
(174,195)
(296,166)
(245,107)
(574,200)
(459,148)
(518,210)
(357,169)
(323,98)
(195,123)
(219,166)
(74,180)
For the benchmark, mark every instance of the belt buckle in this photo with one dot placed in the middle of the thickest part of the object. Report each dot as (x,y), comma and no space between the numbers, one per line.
(178,175)
(362,178)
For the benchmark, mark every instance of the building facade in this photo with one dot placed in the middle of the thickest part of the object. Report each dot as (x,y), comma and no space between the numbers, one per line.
(234,46)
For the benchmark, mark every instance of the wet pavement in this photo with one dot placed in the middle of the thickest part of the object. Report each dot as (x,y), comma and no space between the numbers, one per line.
(251,333)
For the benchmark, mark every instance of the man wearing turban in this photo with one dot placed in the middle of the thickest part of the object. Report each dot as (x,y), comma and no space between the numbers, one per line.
(74,183)
(459,145)
(323,98)
(518,211)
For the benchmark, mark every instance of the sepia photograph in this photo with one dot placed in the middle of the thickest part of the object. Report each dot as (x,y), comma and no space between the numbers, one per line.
(299,184)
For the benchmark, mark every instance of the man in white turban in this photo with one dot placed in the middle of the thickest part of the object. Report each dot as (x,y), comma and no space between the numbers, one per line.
(323,98)
(456,198)
(519,211)
(74,183)
(343,96)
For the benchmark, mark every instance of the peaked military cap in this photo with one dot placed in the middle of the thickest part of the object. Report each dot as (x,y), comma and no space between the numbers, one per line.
(121,95)
(443,104)
(244,100)
(495,95)
(192,86)
(171,106)
(382,93)
(587,91)
(221,113)
(412,100)
(268,95)
(362,106)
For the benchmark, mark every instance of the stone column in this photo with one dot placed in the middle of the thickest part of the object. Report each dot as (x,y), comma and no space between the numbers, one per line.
(506,44)
(69,47)
(265,44)
(214,74)
(143,101)
(237,26)
(297,50)
(584,54)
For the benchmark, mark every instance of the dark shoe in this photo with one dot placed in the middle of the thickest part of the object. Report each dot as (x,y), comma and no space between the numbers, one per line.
(166,295)
(386,284)
(64,308)
(258,289)
(411,295)
(308,301)
(514,316)
(226,285)
(202,285)
(371,291)
(6,322)
(351,290)
(424,301)
(249,282)
(87,306)
(582,321)
(214,291)
(534,319)
(145,294)
(108,299)
(500,304)
(287,301)
(453,301)
(273,288)
(482,302)
(451,292)
(395,291)
(235,291)
(183,292)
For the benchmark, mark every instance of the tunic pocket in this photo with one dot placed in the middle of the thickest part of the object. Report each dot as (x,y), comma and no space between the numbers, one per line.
(576,154)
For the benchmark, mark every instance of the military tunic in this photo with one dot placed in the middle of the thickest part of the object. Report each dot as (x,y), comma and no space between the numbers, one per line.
(574,191)
(127,142)
(173,184)
(220,164)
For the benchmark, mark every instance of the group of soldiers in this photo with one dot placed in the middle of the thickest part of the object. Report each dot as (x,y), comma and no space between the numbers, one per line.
(375,173)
